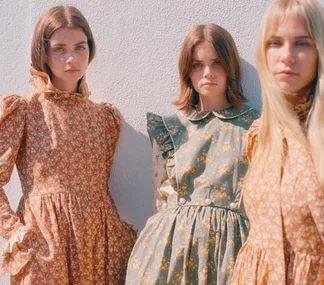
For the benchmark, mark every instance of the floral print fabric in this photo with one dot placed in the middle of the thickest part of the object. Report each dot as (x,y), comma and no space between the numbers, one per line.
(63,146)
(286,211)
(200,226)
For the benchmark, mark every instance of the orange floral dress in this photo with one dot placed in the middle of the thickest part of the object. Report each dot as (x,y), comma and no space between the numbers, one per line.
(285,207)
(63,146)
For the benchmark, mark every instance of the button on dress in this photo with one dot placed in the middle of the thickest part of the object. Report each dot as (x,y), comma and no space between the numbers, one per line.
(195,235)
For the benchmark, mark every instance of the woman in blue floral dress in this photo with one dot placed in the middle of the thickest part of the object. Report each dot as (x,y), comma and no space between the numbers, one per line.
(199,162)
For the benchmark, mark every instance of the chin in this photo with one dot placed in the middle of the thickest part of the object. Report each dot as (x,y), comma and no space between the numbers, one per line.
(287,88)
(210,94)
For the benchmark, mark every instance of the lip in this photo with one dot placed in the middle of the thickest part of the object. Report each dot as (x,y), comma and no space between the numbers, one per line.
(287,73)
(210,84)
(72,70)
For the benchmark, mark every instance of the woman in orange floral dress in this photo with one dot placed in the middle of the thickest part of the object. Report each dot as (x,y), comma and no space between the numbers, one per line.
(284,187)
(67,229)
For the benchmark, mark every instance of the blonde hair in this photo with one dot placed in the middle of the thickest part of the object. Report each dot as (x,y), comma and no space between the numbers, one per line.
(277,113)
(228,55)
(53,19)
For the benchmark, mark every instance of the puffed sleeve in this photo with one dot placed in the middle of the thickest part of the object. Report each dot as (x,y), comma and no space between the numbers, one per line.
(158,132)
(162,162)
(113,124)
(252,139)
(12,123)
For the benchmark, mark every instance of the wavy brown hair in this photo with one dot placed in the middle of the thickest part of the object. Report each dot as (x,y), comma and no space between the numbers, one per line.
(226,49)
(53,19)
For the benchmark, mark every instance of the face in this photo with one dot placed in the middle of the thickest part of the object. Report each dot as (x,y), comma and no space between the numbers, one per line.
(292,56)
(68,57)
(208,76)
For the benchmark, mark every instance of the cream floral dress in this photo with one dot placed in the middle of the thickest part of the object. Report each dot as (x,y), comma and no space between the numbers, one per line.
(200,224)
(285,207)
(63,146)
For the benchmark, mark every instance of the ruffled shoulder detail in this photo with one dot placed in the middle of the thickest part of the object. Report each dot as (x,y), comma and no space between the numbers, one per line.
(252,139)
(158,132)
(112,117)
(11,103)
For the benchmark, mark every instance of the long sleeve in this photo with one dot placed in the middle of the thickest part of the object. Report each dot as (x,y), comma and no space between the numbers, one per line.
(113,127)
(163,152)
(316,206)
(12,121)
(159,176)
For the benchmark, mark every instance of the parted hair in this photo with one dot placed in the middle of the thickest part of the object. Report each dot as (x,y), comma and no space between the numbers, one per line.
(226,49)
(277,113)
(53,19)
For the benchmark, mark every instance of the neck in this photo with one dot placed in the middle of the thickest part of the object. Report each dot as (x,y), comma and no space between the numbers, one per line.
(212,103)
(300,97)
(61,85)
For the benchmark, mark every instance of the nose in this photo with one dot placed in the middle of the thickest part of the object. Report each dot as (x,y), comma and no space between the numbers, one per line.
(70,57)
(208,72)
(287,54)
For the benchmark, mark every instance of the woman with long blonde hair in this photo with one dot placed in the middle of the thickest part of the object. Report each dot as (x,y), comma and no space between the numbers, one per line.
(284,187)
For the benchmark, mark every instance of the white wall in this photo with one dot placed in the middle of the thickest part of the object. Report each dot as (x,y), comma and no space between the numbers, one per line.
(138,43)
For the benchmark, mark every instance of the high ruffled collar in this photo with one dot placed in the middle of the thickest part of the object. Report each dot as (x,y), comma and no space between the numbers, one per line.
(42,83)
(230,113)
(302,109)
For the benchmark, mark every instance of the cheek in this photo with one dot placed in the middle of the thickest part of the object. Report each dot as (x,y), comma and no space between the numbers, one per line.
(271,59)
(308,64)
(54,60)
(51,62)
(223,74)
(314,65)
(194,78)
(86,59)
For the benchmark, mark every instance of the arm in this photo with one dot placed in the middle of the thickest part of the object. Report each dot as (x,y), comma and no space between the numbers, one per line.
(159,175)
(316,206)
(113,123)
(12,122)
(162,152)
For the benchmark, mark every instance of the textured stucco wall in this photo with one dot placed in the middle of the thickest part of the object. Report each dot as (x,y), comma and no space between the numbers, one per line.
(135,69)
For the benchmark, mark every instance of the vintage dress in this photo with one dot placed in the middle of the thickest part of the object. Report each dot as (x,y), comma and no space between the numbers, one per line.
(63,146)
(286,240)
(200,227)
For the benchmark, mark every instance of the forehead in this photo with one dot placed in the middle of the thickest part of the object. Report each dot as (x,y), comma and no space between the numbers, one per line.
(67,35)
(203,50)
(290,20)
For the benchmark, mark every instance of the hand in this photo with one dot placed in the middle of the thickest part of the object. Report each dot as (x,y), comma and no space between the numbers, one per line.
(15,240)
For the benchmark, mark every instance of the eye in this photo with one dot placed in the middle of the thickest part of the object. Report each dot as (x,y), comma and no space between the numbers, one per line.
(274,43)
(80,48)
(58,49)
(217,62)
(302,44)
(196,65)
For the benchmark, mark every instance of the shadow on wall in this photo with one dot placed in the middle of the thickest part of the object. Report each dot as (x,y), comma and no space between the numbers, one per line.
(132,172)
(251,84)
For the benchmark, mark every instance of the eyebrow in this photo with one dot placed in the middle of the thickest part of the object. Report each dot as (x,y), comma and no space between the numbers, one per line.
(301,37)
(78,43)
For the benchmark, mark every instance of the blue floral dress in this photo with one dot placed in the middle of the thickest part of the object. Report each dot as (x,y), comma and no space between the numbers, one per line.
(200,224)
